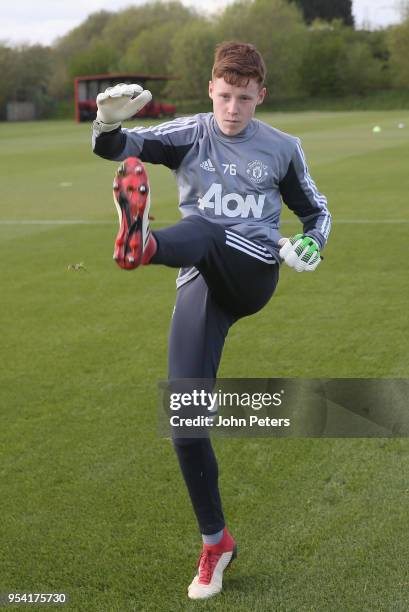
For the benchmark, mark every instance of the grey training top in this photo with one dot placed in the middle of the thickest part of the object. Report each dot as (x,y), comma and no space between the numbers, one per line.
(238,181)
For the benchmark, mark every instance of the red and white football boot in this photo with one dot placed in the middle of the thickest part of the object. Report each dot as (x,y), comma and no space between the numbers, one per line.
(134,244)
(213,561)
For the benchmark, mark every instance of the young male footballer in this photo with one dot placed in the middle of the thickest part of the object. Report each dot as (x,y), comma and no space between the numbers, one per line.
(232,173)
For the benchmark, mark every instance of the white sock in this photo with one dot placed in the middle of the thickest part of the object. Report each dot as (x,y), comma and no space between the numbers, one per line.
(214,538)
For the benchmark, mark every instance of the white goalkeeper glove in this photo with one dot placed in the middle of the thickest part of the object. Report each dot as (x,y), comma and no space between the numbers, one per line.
(300,252)
(119,103)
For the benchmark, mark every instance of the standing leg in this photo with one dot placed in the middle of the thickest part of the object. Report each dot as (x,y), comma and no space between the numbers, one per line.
(235,280)
(199,328)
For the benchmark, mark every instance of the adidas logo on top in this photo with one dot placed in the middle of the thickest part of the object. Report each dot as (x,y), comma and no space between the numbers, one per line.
(207,165)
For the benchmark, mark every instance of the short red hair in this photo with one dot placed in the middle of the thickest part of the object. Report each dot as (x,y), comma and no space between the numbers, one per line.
(237,63)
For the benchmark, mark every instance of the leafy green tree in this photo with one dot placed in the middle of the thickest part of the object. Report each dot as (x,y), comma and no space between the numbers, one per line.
(319,69)
(150,53)
(81,37)
(101,43)
(72,52)
(276,28)
(130,23)
(360,72)
(98,58)
(327,10)
(327,58)
(8,59)
(234,21)
(377,42)
(398,42)
(60,86)
(26,72)
(192,61)
(337,62)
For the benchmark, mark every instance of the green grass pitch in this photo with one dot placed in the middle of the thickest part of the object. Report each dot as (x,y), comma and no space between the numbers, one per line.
(92,502)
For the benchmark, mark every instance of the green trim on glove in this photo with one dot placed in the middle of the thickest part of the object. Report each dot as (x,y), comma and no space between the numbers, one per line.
(301,252)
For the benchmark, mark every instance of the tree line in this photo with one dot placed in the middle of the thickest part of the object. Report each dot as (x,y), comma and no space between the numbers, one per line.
(309,51)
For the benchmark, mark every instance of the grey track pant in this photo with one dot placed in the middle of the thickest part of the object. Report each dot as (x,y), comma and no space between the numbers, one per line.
(231,284)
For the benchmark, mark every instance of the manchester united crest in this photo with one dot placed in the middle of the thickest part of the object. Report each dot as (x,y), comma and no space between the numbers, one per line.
(257,171)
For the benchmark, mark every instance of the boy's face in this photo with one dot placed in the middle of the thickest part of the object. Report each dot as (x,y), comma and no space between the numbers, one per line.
(233,106)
